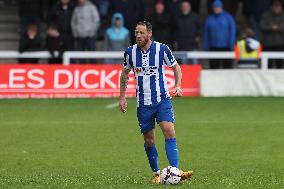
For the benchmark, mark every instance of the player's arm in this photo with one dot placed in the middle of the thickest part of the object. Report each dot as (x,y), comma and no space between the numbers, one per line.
(123,85)
(178,77)
(173,63)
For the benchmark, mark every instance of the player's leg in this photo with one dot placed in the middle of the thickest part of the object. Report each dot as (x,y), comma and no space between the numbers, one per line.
(171,147)
(146,119)
(151,150)
(165,118)
(170,142)
(152,155)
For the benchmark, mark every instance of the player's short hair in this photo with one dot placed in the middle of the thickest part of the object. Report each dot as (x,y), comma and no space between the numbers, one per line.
(145,23)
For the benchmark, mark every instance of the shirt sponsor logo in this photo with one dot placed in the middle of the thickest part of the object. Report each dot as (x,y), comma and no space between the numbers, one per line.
(138,70)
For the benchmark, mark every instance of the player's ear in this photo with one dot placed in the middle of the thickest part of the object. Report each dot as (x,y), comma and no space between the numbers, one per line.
(150,34)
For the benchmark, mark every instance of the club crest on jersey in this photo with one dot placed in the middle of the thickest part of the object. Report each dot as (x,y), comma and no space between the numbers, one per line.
(138,70)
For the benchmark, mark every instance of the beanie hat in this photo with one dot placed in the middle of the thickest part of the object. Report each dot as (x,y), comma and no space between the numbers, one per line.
(217,3)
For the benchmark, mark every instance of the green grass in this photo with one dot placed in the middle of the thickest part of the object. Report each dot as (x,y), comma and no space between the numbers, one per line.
(228,142)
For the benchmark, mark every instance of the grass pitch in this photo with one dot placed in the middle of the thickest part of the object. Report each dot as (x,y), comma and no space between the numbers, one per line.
(79,143)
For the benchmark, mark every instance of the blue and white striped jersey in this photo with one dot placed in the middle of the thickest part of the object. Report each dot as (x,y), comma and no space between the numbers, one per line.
(149,70)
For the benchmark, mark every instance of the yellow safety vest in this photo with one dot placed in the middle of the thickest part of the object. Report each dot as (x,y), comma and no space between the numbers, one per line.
(242,54)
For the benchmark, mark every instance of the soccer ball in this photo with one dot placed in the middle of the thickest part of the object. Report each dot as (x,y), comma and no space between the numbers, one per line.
(170,175)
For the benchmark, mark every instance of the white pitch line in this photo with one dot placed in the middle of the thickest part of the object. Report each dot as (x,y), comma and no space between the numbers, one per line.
(112,105)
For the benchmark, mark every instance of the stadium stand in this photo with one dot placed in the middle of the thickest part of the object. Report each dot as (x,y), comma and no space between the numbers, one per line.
(14,15)
(9,22)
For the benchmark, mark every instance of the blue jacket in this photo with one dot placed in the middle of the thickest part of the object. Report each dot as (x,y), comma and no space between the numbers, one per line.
(117,39)
(219,31)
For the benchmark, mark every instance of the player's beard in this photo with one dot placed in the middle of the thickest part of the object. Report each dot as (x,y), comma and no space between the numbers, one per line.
(142,42)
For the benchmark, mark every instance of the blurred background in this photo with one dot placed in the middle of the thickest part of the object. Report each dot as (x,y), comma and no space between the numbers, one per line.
(230,49)
(243,36)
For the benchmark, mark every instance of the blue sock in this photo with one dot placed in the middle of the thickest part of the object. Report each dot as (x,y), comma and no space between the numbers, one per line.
(152,155)
(172,151)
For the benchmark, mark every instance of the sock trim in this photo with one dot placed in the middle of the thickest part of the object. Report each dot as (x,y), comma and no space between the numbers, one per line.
(157,172)
(170,139)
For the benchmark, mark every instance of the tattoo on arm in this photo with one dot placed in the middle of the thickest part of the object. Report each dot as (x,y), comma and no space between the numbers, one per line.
(123,81)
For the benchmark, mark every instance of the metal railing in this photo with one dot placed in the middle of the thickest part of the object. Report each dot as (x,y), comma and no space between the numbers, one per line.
(67,56)
(16,54)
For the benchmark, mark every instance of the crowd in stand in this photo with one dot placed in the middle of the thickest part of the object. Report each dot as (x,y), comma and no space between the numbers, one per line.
(78,24)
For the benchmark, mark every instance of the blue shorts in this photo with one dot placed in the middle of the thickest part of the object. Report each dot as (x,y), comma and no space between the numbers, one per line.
(147,114)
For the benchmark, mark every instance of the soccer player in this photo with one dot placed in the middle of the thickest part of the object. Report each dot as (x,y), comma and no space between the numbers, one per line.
(148,58)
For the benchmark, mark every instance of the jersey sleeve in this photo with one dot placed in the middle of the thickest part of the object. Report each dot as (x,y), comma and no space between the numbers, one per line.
(127,62)
(169,57)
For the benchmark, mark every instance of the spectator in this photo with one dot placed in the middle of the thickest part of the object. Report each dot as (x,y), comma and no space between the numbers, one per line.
(103,7)
(162,25)
(61,15)
(272,27)
(253,11)
(248,50)
(117,37)
(60,19)
(149,6)
(54,43)
(132,11)
(229,5)
(187,29)
(219,34)
(85,24)
(174,7)
(29,42)
(30,11)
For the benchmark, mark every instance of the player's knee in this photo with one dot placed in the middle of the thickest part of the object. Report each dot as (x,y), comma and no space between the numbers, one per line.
(169,132)
(149,141)
(149,138)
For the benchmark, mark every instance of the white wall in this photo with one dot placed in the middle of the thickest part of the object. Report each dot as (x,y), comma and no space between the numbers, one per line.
(242,83)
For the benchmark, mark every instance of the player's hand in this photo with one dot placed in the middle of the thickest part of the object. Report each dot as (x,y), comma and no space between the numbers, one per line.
(177,92)
(122,105)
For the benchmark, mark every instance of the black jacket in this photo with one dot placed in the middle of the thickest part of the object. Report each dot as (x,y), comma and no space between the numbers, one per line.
(186,30)
(162,28)
(132,11)
(62,18)
(28,45)
(256,8)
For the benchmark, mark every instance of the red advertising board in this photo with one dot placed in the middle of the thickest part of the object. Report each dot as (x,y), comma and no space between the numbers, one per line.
(79,81)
